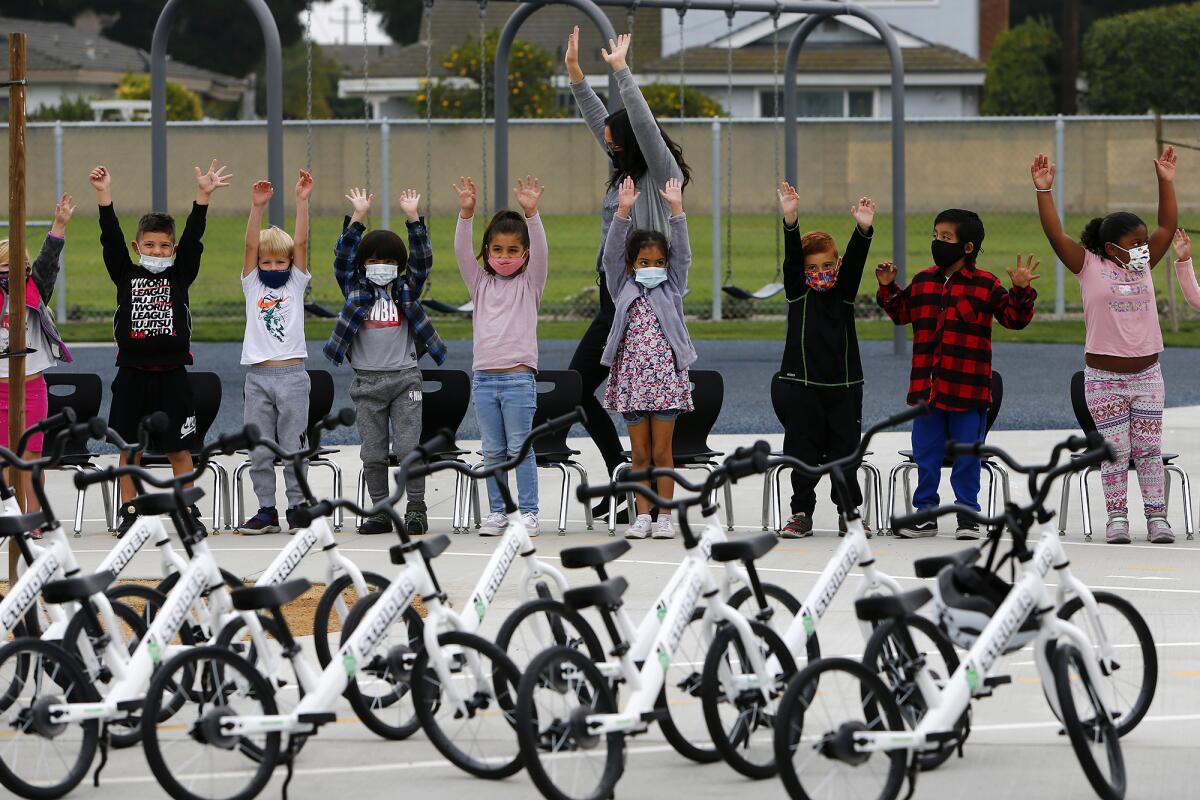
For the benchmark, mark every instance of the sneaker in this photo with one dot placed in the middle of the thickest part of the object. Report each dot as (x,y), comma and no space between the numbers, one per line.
(128,517)
(375,524)
(842,530)
(531,523)
(416,520)
(640,529)
(197,521)
(966,531)
(797,527)
(1158,531)
(664,528)
(922,531)
(293,523)
(1117,529)
(495,524)
(265,521)
(36,534)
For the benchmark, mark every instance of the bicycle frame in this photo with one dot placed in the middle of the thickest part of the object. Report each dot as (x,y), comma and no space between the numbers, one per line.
(53,559)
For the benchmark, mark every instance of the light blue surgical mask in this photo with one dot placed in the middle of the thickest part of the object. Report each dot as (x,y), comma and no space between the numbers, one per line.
(650,276)
(382,274)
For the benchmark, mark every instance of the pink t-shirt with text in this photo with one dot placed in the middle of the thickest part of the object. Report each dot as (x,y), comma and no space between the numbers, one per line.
(1119,310)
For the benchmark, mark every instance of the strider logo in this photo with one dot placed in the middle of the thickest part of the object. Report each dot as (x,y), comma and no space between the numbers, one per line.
(17,603)
(129,547)
(184,595)
(511,547)
(295,553)
(836,579)
(387,608)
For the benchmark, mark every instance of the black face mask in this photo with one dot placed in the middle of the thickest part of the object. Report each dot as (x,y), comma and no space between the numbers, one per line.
(614,160)
(946,254)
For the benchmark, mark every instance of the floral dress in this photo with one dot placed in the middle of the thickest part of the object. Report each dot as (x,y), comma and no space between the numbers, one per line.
(643,375)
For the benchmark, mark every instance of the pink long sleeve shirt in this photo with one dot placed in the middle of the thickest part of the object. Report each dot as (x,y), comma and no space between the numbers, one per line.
(505,312)
(1187,282)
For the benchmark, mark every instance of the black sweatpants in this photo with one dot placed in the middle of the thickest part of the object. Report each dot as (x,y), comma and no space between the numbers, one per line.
(821,425)
(586,362)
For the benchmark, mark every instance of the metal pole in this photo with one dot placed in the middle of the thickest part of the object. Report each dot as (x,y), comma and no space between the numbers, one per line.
(385,173)
(16,240)
(500,79)
(1060,204)
(716,220)
(791,111)
(60,287)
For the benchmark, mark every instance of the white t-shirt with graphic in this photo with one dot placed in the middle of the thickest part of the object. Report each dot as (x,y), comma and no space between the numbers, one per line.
(274,319)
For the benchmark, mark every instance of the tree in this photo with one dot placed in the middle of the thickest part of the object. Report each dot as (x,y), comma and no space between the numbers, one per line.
(325,73)
(70,109)
(1143,61)
(401,19)
(1021,70)
(529,71)
(663,99)
(182,102)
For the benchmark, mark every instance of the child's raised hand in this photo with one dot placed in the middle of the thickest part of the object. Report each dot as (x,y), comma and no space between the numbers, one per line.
(672,193)
(528,192)
(885,273)
(360,201)
(789,202)
(1042,172)
(63,210)
(1164,165)
(864,213)
(261,193)
(410,204)
(215,178)
(466,196)
(101,179)
(1183,245)
(627,195)
(571,57)
(304,186)
(615,55)
(1025,273)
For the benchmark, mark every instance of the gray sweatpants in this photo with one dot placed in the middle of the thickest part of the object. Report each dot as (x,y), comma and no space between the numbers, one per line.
(277,402)
(380,398)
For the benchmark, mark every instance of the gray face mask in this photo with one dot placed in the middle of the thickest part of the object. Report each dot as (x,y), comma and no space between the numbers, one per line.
(381,274)
(155,264)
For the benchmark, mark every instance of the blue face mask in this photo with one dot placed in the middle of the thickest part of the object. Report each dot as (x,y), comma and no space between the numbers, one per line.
(275,278)
(650,276)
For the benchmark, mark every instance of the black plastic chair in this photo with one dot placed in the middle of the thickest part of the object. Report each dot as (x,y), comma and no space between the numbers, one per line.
(320,403)
(82,393)
(772,510)
(690,441)
(206,396)
(1083,416)
(993,468)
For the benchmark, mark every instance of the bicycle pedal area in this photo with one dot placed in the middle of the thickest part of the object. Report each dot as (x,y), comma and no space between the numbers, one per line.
(1016,746)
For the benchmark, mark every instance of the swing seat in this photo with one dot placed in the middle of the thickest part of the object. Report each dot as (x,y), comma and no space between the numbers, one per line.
(318,310)
(445,308)
(765,293)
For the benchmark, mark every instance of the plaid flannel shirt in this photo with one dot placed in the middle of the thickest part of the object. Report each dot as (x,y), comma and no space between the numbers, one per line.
(952,332)
(361,293)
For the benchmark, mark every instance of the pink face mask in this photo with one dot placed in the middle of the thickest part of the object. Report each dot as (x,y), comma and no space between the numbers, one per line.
(505,266)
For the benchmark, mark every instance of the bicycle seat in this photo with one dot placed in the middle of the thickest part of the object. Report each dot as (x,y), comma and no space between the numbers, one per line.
(157,504)
(880,607)
(593,555)
(931,566)
(252,598)
(747,549)
(606,594)
(21,523)
(430,548)
(77,589)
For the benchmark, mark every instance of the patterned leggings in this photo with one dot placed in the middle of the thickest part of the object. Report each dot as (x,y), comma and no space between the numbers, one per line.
(1128,410)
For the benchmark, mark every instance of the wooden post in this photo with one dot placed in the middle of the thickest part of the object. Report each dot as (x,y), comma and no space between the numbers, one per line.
(1172,306)
(16,260)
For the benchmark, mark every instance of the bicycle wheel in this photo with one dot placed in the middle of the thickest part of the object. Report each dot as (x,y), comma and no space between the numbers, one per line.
(39,756)
(380,691)
(739,711)
(470,712)
(783,604)
(1089,724)
(542,623)
(566,761)
(1133,682)
(333,609)
(235,637)
(683,723)
(188,754)
(890,659)
(121,732)
(814,737)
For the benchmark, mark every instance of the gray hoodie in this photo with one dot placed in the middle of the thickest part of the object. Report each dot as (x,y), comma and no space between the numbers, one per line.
(650,211)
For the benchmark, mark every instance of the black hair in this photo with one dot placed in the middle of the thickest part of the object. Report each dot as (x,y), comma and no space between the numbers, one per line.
(630,162)
(968,227)
(382,245)
(644,238)
(504,222)
(154,222)
(1102,230)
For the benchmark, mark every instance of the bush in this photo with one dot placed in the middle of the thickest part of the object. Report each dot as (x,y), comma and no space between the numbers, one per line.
(182,102)
(529,71)
(1020,71)
(71,109)
(663,99)
(1144,60)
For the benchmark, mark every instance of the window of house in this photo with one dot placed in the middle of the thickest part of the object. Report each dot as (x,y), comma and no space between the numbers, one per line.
(823,103)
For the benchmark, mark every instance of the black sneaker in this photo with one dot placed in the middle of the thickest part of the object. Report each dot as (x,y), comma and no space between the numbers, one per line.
(128,517)
(293,523)
(197,521)
(843,530)
(375,524)
(966,531)
(798,527)
(600,511)
(265,521)
(922,531)
(416,520)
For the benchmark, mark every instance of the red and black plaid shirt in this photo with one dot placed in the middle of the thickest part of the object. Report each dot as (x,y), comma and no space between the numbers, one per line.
(952,332)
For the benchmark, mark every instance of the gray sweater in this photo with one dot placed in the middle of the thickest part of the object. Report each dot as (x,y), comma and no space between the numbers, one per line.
(650,211)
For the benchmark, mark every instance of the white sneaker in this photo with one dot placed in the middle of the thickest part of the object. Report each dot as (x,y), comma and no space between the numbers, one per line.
(664,528)
(531,523)
(495,524)
(640,529)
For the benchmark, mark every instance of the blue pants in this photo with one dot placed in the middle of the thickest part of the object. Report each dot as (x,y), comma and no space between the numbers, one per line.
(504,406)
(929,436)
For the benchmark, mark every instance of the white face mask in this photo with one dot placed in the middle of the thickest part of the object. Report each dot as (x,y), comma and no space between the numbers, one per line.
(381,274)
(155,264)
(650,276)
(1139,257)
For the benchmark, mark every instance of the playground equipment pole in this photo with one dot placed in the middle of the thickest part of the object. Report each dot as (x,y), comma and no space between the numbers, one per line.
(16,238)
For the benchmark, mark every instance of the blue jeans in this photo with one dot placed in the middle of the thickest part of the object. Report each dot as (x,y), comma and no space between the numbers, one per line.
(929,436)
(504,406)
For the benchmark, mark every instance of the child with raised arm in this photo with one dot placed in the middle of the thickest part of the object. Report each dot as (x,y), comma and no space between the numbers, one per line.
(384,331)
(1123,381)
(821,376)
(649,350)
(153,322)
(274,277)
(505,280)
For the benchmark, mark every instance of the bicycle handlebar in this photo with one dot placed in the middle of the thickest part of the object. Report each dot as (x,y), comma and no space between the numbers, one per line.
(80,431)
(65,417)
(227,444)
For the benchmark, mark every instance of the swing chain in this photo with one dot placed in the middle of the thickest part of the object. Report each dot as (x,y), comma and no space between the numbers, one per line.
(630,17)
(366,106)
(775,117)
(729,12)
(428,110)
(308,86)
(682,12)
(483,160)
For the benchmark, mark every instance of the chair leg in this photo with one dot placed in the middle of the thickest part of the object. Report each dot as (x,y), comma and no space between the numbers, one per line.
(777,499)
(877,494)
(729,506)
(991,502)
(768,477)
(114,491)
(458,479)
(893,476)
(475,501)
(216,470)
(339,514)
(1085,493)
(587,507)
(612,501)
(239,485)
(1064,506)
(79,497)
(563,498)
(906,476)
(1185,484)
(109,511)
(360,495)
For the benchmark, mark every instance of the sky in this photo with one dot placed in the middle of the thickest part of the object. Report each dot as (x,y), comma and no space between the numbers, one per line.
(332,21)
